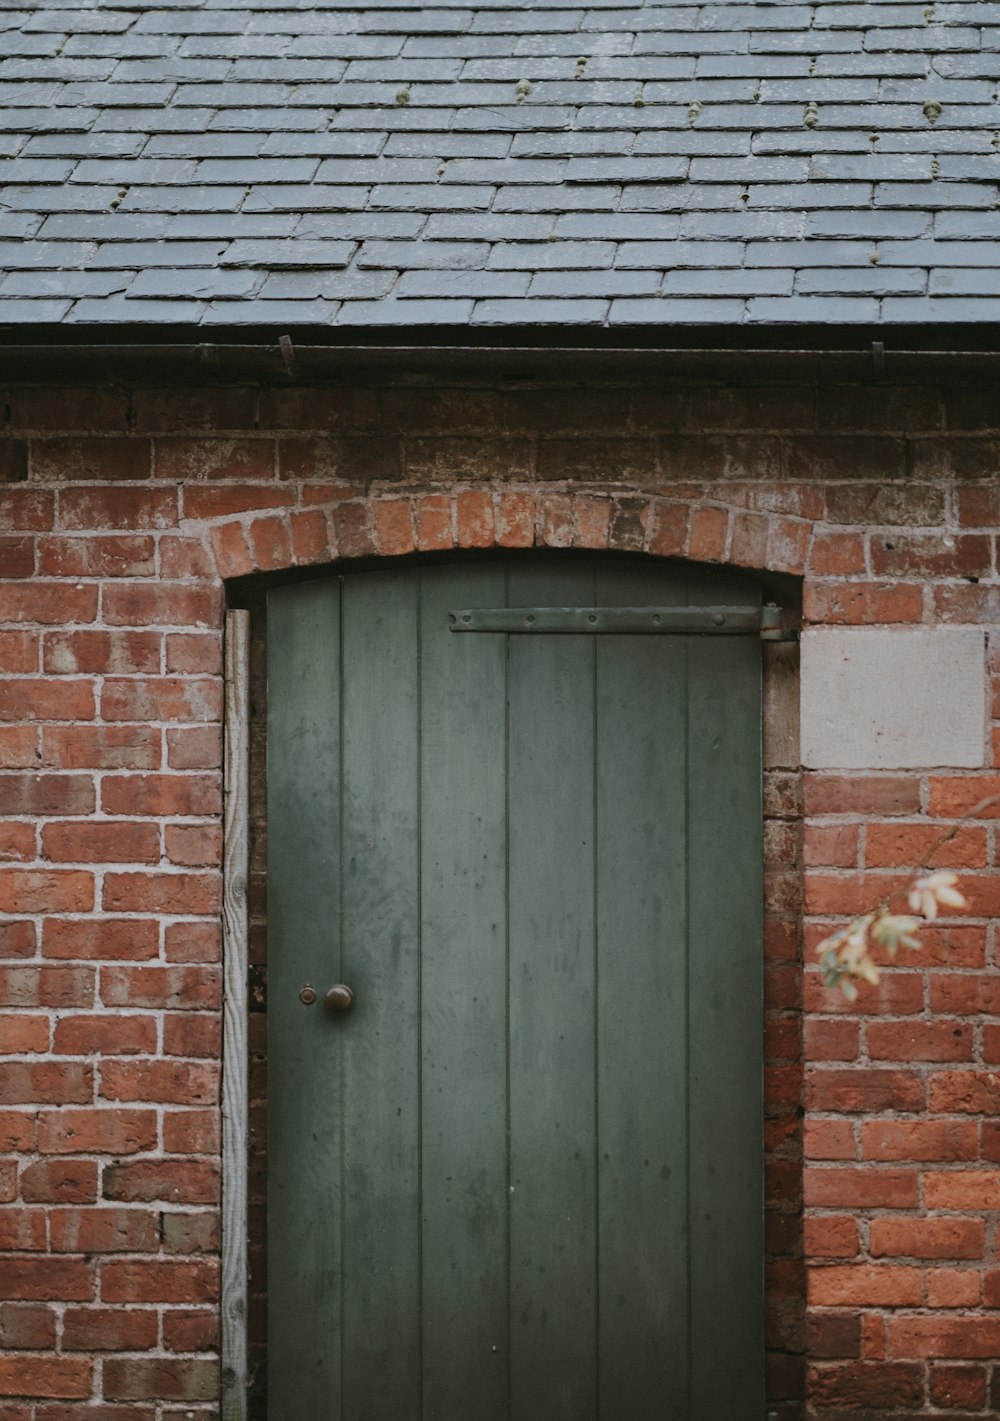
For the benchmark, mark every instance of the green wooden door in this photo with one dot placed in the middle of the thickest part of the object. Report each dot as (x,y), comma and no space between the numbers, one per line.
(521,1179)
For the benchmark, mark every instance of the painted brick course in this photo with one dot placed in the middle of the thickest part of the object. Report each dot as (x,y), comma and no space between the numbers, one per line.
(124,512)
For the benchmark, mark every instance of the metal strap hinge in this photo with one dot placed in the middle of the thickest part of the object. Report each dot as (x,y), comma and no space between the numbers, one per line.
(764,622)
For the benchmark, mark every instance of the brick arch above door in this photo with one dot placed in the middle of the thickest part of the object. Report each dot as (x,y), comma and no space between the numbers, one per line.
(734,529)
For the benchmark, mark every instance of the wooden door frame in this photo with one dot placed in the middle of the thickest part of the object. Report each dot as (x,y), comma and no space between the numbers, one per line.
(780,731)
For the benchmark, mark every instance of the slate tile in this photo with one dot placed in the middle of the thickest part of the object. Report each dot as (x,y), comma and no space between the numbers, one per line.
(195,282)
(662,310)
(289,253)
(269,313)
(543,311)
(393,311)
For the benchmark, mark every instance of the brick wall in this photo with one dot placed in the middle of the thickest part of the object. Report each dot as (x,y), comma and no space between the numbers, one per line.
(124,510)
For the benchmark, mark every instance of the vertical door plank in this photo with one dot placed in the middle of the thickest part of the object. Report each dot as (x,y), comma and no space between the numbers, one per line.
(726,1058)
(642,1225)
(304,1103)
(552,1049)
(463,995)
(380,842)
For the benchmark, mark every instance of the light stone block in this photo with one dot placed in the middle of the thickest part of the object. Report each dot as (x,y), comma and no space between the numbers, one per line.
(886,698)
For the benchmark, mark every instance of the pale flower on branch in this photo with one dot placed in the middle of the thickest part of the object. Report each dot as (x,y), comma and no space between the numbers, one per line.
(847,953)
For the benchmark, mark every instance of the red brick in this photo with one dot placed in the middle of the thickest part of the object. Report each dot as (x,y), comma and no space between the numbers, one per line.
(837,554)
(232,555)
(920,1041)
(48,1280)
(787,546)
(39,795)
(392,520)
(159,1281)
(162,604)
(967,994)
(919,1140)
(45,1376)
(47,603)
(895,994)
(860,1188)
(977,1189)
(84,407)
(183,459)
(102,1131)
(172,1082)
(351,527)
(13,460)
(101,841)
(175,988)
(93,460)
(195,653)
(830,1139)
(110,1035)
(162,698)
(209,407)
(36,699)
(899,845)
(23,1035)
(17,1131)
(187,1379)
(130,510)
(864,1285)
(954,796)
(179,794)
(231,500)
(939,1337)
(185,558)
(952,1287)
(132,940)
(861,603)
(192,942)
(833,1334)
(18,940)
(17,841)
(873,795)
(707,538)
(193,1330)
(18,652)
(927,1238)
(103,1230)
(515,520)
(125,556)
(958,1386)
(830,845)
(191,1132)
(176,1181)
(175,893)
(196,747)
(931,555)
(192,1035)
(194,845)
(100,653)
(47,986)
(59,1181)
(866,1090)
(26,1327)
(99,747)
(22,1230)
(670,528)
(310,537)
(305,407)
(54,1082)
(474,510)
(866,1384)
(965,1092)
(26,509)
(109,1330)
(24,890)
(826,1040)
(17,557)
(830,1236)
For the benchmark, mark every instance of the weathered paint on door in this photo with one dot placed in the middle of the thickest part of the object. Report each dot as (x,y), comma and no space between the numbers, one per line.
(521,1179)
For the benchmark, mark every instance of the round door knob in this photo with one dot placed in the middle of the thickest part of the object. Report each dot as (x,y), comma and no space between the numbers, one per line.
(339,998)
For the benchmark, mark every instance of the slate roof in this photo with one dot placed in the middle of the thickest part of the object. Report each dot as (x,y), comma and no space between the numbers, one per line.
(617,163)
